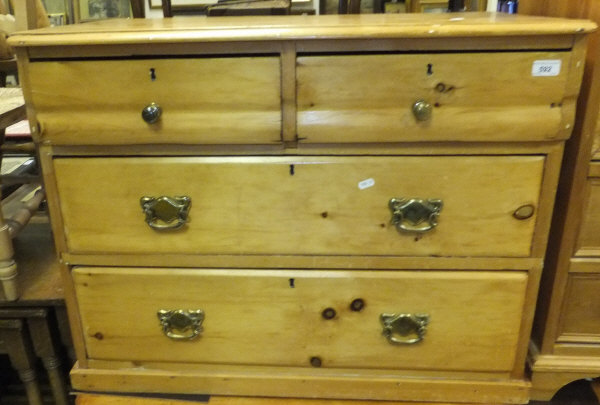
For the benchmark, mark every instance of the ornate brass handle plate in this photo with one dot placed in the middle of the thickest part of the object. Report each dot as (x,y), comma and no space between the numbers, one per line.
(151,113)
(404,329)
(166,213)
(414,214)
(181,324)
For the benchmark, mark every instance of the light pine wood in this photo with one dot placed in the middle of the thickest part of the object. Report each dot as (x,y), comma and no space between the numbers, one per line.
(565,348)
(585,265)
(547,199)
(300,372)
(581,313)
(576,69)
(307,149)
(219,100)
(554,371)
(303,261)
(573,182)
(237,47)
(572,347)
(263,320)
(277,383)
(22,55)
(288,93)
(45,160)
(120,31)
(56,220)
(344,99)
(12,106)
(527,316)
(276,205)
(589,240)
(235,209)
(91,399)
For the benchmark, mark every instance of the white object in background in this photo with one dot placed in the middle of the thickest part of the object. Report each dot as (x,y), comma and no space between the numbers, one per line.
(7,23)
(492,5)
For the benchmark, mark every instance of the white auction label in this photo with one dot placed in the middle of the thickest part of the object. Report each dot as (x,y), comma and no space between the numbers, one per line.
(366,184)
(549,67)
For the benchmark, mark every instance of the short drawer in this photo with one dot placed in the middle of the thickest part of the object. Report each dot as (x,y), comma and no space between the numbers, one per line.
(305,318)
(472,97)
(588,242)
(202,100)
(580,317)
(444,205)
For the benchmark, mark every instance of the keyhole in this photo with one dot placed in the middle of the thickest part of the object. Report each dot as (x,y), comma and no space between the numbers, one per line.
(292,169)
(152,74)
(429,69)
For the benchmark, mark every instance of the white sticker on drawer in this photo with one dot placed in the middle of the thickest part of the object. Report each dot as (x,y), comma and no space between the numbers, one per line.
(366,184)
(549,67)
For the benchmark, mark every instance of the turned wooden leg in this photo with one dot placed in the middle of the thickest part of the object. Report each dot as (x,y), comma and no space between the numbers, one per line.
(8,278)
(45,348)
(16,341)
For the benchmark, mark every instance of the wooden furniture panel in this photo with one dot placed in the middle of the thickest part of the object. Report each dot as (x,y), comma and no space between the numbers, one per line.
(588,243)
(235,210)
(581,314)
(280,317)
(218,100)
(358,98)
(563,346)
(290,216)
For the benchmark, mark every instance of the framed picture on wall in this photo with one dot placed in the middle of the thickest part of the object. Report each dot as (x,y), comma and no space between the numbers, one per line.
(101,9)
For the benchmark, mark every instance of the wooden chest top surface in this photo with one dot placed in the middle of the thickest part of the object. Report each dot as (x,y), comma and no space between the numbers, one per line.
(215,29)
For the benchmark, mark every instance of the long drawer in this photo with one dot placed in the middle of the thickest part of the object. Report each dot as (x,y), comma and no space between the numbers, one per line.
(404,205)
(201,100)
(311,318)
(496,96)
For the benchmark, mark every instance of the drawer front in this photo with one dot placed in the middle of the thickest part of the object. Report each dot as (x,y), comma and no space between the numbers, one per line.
(203,100)
(473,96)
(302,205)
(588,242)
(580,318)
(265,317)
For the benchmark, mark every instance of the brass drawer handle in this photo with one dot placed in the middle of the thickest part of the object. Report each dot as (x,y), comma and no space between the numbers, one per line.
(409,213)
(181,324)
(404,329)
(166,213)
(151,113)
(422,110)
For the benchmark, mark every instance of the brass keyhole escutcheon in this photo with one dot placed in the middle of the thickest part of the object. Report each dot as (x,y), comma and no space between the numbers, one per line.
(524,212)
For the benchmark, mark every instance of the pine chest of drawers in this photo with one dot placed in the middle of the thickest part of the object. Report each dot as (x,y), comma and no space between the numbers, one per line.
(333,206)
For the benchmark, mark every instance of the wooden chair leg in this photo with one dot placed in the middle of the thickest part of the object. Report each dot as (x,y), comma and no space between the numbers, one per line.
(45,348)
(166,7)
(8,267)
(8,278)
(17,342)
